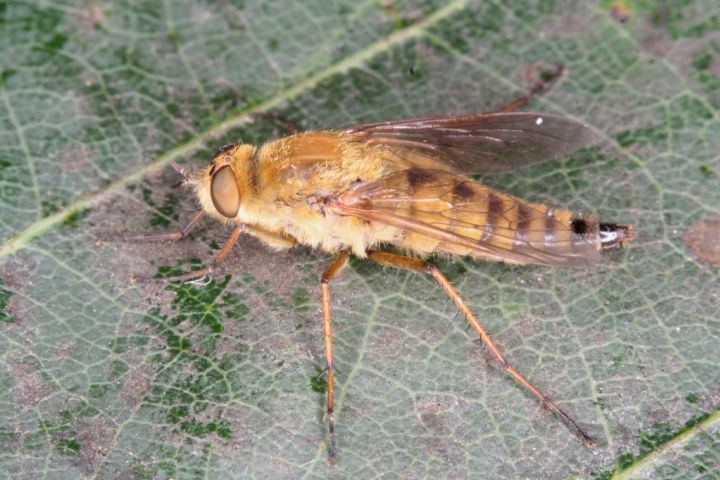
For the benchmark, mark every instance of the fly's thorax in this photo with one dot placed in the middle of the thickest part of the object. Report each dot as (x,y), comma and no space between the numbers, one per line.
(309,225)
(313,163)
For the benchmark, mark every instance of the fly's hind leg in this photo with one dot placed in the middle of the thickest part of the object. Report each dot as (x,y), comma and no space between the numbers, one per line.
(335,268)
(408,263)
(548,79)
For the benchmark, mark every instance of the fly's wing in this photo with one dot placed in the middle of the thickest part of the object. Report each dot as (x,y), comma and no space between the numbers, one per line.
(456,215)
(483,143)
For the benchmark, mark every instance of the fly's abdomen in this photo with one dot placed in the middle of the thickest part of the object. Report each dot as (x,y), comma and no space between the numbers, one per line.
(484,223)
(511,230)
(435,211)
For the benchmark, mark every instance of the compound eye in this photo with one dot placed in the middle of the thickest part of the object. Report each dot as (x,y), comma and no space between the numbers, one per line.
(225,193)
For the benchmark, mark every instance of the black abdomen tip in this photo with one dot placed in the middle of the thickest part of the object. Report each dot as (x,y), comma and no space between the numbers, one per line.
(612,235)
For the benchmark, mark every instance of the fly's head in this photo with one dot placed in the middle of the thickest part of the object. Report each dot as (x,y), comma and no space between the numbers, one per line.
(221,185)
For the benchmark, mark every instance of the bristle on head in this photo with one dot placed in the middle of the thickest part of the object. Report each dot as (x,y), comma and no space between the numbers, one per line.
(180,169)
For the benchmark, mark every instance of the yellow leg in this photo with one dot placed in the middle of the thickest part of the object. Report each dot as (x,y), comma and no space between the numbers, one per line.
(216,262)
(408,263)
(335,268)
(179,235)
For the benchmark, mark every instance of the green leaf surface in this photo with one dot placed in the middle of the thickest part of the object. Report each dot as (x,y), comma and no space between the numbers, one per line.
(108,378)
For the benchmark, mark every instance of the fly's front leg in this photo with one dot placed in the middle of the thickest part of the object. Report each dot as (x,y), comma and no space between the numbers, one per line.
(335,268)
(175,236)
(157,237)
(408,263)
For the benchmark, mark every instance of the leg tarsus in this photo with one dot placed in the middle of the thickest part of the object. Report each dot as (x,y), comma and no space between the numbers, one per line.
(325,371)
(202,281)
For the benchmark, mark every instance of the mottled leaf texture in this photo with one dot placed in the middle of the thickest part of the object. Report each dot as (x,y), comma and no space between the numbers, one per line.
(107,378)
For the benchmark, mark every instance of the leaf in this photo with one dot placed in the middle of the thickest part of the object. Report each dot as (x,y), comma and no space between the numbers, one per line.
(106,378)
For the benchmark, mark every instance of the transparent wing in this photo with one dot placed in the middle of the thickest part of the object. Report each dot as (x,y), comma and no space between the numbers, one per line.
(469,218)
(482,143)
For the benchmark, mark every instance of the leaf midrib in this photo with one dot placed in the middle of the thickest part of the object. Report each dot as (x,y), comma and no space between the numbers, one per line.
(643,465)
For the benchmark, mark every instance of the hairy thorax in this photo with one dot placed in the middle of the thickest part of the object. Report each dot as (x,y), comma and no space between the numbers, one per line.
(285,184)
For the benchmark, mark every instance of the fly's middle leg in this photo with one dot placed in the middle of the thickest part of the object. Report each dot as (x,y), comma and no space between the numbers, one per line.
(335,268)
